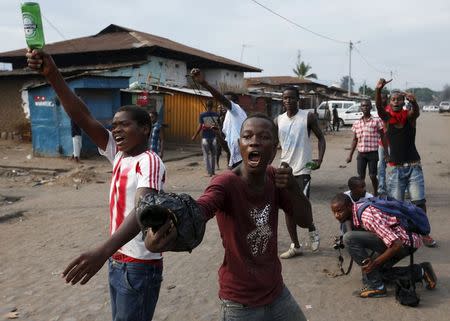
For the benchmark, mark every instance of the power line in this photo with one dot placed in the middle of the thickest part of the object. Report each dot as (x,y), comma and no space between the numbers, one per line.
(59,32)
(53,26)
(297,25)
(369,64)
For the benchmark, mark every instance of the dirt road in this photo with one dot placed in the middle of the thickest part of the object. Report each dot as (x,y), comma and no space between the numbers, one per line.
(45,221)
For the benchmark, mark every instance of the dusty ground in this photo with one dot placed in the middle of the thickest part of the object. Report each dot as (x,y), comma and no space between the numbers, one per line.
(47,217)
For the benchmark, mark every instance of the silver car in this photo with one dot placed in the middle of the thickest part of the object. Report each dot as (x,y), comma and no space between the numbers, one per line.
(444,107)
(341,106)
(353,113)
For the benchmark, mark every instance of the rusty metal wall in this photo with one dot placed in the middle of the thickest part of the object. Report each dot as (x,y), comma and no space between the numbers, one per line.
(181,113)
(12,116)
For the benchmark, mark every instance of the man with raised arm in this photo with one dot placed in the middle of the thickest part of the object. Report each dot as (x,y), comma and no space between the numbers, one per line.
(135,274)
(404,169)
(234,117)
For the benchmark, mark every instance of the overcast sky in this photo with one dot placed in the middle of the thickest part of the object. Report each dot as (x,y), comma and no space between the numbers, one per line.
(409,38)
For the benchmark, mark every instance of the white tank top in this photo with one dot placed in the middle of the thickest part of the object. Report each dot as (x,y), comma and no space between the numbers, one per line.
(296,147)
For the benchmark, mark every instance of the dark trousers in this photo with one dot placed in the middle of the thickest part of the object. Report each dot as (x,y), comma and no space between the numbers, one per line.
(362,244)
(336,125)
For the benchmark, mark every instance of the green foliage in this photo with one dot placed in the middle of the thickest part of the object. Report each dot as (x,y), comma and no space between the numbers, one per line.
(369,91)
(425,95)
(302,69)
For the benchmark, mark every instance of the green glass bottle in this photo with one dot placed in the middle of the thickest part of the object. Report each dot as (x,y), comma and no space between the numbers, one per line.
(312,165)
(32,25)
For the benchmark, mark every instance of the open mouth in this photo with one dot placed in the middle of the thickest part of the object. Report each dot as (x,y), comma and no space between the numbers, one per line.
(119,140)
(254,158)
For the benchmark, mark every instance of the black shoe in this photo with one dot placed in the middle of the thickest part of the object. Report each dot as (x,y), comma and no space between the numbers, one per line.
(428,275)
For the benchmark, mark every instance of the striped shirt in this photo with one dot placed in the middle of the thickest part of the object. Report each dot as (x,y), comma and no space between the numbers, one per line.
(368,133)
(385,226)
(130,173)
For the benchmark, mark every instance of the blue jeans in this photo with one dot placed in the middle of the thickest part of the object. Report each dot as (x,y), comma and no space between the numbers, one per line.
(134,290)
(363,244)
(209,150)
(381,171)
(401,178)
(283,308)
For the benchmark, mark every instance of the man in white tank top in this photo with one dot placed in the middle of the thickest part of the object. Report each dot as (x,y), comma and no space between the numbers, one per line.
(294,128)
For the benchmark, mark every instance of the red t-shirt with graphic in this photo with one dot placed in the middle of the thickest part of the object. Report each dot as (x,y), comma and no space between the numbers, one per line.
(251,270)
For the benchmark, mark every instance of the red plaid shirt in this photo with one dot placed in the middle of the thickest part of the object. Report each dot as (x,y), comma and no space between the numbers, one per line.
(385,226)
(368,133)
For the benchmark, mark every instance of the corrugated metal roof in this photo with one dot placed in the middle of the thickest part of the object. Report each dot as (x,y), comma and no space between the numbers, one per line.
(280,80)
(197,92)
(74,69)
(116,38)
(164,89)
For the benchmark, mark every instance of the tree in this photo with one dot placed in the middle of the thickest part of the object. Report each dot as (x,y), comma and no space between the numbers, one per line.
(371,92)
(344,83)
(445,95)
(424,95)
(367,91)
(302,69)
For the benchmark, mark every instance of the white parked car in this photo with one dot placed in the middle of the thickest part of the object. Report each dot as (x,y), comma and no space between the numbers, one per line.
(353,113)
(444,106)
(430,108)
(341,106)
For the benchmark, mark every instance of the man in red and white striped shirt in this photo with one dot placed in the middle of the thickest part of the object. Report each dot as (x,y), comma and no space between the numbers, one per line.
(379,233)
(367,131)
(135,274)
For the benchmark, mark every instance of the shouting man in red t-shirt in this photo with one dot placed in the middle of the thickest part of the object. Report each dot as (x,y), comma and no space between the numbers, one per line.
(246,201)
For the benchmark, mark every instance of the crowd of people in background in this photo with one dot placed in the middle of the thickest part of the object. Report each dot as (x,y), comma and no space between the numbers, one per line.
(246,199)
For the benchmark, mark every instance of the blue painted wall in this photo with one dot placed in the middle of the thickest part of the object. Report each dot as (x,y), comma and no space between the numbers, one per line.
(50,125)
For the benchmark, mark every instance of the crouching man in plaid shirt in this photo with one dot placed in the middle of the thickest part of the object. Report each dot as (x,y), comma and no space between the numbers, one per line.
(367,131)
(376,244)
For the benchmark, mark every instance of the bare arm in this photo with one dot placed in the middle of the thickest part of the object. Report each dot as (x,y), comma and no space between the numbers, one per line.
(352,148)
(313,124)
(382,113)
(384,142)
(300,204)
(198,77)
(383,257)
(74,106)
(199,128)
(89,263)
(161,141)
(414,113)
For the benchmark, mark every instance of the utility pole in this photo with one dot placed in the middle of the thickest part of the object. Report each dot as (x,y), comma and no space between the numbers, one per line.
(242,51)
(364,88)
(390,84)
(350,48)
(349,86)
